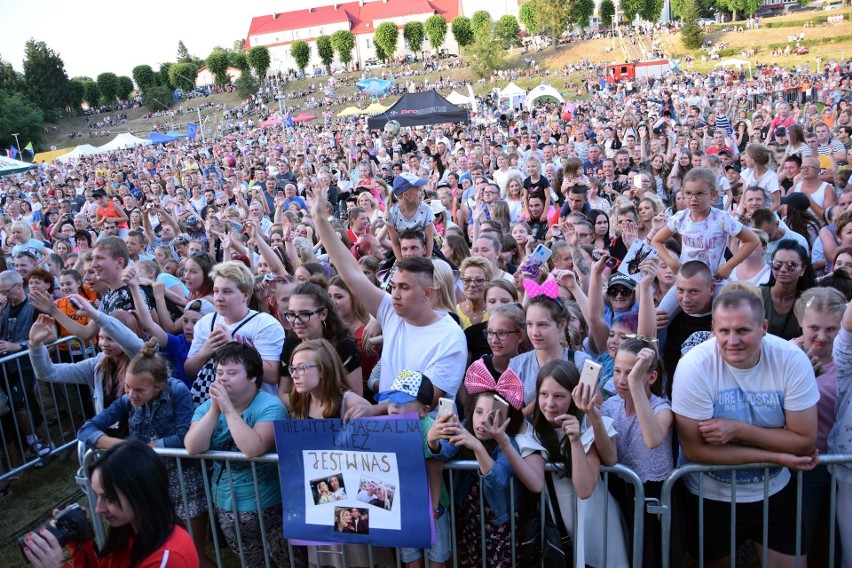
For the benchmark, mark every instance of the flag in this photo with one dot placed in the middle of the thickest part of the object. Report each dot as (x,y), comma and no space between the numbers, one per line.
(191,131)
(289,119)
(29,148)
(12,152)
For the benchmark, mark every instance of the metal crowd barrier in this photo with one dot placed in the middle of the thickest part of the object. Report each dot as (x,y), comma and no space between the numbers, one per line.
(182,459)
(666,508)
(51,411)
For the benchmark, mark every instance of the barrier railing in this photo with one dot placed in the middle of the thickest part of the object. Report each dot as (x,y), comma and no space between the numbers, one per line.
(182,461)
(49,413)
(666,508)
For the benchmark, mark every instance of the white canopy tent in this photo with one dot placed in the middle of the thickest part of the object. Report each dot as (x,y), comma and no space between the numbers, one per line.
(514,94)
(458,99)
(123,140)
(9,166)
(736,63)
(543,91)
(84,150)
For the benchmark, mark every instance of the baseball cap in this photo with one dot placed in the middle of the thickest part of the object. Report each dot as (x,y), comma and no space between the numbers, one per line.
(409,386)
(437,207)
(796,200)
(405,181)
(201,306)
(619,279)
(99,193)
(181,240)
(192,220)
(780,131)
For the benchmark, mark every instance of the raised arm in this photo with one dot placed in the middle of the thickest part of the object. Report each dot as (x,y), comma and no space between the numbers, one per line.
(263,247)
(598,329)
(342,259)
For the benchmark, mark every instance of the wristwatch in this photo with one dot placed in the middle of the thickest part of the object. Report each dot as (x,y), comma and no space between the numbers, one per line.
(23,344)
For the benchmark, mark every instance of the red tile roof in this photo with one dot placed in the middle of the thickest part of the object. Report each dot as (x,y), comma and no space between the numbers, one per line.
(360,18)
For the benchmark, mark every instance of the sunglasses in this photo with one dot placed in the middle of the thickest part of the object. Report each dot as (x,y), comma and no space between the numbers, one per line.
(790,264)
(619,291)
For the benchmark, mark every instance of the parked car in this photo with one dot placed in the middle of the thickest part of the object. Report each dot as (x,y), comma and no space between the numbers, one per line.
(444,54)
(373,63)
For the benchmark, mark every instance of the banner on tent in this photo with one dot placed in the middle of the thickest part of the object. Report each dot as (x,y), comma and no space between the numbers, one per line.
(340,483)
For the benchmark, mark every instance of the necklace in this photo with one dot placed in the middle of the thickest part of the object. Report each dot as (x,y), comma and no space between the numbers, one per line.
(784,299)
(474,314)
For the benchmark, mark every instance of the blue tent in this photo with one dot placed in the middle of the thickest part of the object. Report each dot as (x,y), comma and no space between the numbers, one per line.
(157,138)
(176,134)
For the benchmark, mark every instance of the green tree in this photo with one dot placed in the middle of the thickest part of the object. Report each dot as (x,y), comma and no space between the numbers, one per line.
(217,63)
(691,34)
(300,51)
(258,58)
(436,30)
(144,76)
(480,21)
(10,80)
(462,30)
(413,35)
(108,84)
(744,7)
(486,53)
(247,85)
(581,11)
(705,8)
(343,42)
(526,14)
(606,12)
(182,76)
(507,30)
(650,10)
(386,38)
(630,9)
(91,94)
(183,55)
(158,97)
(165,78)
(238,59)
(19,114)
(47,83)
(553,17)
(76,92)
(239,44)
(125,87)
(325,52)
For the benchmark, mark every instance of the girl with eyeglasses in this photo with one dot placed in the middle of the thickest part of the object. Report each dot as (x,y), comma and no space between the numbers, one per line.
(319,390)
(792,274)
(313,315)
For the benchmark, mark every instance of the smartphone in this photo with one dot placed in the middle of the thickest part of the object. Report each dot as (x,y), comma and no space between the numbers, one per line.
(499,406)
(637,182)
(539,257)
(75,303)
(613,263)
(446,407)
(591,373)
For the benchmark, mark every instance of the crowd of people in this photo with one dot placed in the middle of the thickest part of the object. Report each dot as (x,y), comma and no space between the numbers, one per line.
(657,274)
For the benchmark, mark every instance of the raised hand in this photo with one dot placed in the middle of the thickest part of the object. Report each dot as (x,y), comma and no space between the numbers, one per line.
(42,331)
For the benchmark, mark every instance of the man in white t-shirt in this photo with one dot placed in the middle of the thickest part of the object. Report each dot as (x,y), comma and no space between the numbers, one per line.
(745,397)
(415,336)
(233,285)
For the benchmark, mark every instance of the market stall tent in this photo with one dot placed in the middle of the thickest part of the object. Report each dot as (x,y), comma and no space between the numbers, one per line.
(458,99)
(124,140)
(50,156)
(736,63)
(9,166)
(159,138)
(544,93)
(84,150)
(514,94)
(349,111)
(416,109)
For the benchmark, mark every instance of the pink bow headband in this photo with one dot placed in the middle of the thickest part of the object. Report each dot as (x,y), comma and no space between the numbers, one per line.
(550,289)
(478,379)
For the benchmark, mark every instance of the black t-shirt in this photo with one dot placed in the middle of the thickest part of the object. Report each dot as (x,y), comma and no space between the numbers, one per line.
(120,299)
(538,229)
(681,327)
(538,188)
(477,345)
(347,349)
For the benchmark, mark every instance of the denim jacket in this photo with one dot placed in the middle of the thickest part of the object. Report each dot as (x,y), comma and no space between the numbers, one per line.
(164,420)
(495,486)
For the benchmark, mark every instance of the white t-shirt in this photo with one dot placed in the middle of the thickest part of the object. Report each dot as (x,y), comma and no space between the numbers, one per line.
(439,350)
(706,387)
(263,332)
(704,240)
(767,182)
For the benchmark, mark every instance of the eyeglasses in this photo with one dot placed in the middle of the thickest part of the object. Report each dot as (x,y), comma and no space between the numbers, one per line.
(619,291)
(473,281)
(300,370)
(500,335)
(698,194)
(790,264)
(301,317)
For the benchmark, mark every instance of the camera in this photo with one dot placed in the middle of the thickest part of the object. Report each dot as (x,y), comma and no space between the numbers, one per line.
(68,525)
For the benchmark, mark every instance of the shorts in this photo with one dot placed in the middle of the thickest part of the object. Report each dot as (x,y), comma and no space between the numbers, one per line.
(441,549)
(717,524)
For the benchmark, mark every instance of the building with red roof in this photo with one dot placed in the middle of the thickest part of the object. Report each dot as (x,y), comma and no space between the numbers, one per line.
(279,30)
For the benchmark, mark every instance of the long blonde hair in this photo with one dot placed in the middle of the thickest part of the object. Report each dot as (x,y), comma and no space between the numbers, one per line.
(444,280)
